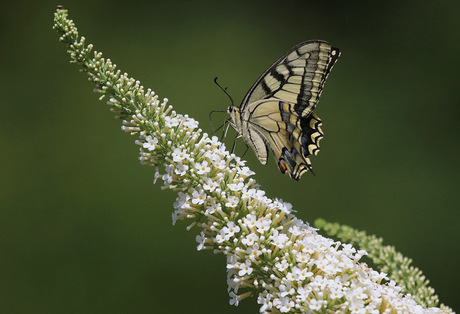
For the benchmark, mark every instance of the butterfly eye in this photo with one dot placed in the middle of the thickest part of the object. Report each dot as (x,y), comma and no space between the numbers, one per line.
(230,109)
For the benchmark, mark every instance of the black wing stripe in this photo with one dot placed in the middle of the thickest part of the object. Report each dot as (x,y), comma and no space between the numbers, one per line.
(265,87)
(278,76)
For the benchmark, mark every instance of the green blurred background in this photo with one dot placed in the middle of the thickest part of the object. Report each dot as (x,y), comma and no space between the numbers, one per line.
(82,228)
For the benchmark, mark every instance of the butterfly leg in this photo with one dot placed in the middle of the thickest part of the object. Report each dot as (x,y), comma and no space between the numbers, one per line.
(247,148)
(234,144)
(217,130)
(225,126)
(212,126)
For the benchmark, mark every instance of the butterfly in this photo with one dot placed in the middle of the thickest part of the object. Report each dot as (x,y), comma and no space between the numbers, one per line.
(277,112)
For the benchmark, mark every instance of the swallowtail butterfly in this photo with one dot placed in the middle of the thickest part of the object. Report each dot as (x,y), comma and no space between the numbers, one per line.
(277,112)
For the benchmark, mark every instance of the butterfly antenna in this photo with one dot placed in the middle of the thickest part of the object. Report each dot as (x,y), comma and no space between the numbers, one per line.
(231,100)
(224,90)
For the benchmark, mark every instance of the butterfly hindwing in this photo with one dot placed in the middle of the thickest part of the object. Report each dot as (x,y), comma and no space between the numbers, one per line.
(275,125)
(297,77)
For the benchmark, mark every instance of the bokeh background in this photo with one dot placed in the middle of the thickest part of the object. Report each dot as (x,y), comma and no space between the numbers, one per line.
(82,227)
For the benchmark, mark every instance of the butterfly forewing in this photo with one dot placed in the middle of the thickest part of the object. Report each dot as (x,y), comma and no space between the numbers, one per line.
(297,77)
(277,112)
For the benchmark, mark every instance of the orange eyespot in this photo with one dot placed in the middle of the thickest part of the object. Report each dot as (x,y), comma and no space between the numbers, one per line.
(282,166)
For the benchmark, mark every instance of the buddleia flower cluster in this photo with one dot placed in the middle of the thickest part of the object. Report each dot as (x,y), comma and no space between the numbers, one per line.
(397,266)
(271,255)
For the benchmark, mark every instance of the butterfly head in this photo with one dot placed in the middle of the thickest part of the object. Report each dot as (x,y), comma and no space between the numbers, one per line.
(234,112)
(235,121)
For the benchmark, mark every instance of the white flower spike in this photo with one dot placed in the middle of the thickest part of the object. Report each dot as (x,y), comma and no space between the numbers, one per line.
(271,254)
